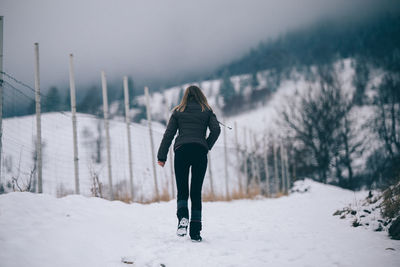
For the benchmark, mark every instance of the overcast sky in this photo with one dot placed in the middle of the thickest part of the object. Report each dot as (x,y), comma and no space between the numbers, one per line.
(150,40)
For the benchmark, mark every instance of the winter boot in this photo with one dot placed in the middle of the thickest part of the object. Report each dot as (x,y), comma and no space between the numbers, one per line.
(183,221)
(194,231)
(182,227)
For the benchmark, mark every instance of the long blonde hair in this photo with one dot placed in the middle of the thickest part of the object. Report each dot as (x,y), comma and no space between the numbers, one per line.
(193,92)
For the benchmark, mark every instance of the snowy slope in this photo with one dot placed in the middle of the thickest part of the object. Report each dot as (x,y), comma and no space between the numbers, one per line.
(19,135)
(298,230)
(263,121)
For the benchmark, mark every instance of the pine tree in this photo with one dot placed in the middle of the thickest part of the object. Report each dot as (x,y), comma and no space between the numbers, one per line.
(67,101)
(227,91)
(52,101)
(254,81)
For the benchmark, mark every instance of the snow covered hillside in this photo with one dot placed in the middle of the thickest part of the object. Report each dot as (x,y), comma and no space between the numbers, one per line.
(58,176)
(298,230)
(263,120)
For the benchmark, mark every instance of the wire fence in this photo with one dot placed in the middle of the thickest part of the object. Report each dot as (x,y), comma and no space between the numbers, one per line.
(237,169)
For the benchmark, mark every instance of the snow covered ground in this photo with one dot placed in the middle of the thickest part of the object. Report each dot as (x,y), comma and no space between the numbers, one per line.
(298,230)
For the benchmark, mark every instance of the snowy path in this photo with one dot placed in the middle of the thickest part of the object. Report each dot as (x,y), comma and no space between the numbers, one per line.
(40,230)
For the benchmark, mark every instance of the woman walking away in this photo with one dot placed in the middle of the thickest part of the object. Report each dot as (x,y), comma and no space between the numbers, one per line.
(192,117)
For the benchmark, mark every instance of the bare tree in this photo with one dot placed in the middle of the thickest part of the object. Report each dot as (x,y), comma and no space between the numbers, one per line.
(348,146)
(360,80)
(319,121)
(386,124)
(97,186)
(387,121)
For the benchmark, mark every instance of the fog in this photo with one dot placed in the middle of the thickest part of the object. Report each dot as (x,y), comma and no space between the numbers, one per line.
(153,41)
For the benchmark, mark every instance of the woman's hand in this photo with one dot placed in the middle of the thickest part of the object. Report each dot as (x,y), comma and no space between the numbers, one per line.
(161,163)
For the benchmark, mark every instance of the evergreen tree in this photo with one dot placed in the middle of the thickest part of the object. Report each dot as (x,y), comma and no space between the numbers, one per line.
(131,87)
(52,101)
(91,102)
(254,81)
(31,107)
(227,91)
(67,101)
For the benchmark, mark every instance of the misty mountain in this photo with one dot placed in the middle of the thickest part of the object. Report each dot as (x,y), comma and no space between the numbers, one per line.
(376,41)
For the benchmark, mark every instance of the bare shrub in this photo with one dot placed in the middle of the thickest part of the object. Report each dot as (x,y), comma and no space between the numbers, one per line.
(165,195)
(391,201)
(18,184)
(208,196)
(97,187)
(121,192)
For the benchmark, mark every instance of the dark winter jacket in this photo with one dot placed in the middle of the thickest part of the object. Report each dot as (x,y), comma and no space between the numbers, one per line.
(192,124)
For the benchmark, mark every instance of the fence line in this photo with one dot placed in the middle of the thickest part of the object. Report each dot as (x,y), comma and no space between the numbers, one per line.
(60,158)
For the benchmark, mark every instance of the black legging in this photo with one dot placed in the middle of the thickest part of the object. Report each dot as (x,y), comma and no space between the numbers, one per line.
(186,156)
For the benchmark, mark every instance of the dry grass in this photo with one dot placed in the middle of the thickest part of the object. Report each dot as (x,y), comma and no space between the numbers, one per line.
(237,194)
(165,195)
(280,194)
(122,196)
(253,192)
(391,201)
(147,201)
(209,197)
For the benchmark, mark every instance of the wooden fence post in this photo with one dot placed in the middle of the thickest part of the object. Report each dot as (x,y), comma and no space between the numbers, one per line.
(226,163)
(283,179)
(74,127)
(257,165)
(128,134)
(106,126)
(246,174)
(267,189)
(239,174)
(276,178)
(38,121)
(287,171)
(252,160)
(146,92)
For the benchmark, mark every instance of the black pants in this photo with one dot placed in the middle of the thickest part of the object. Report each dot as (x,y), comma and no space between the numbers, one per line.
(195,156)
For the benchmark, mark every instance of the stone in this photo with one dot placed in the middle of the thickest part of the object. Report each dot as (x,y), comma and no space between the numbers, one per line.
(394,229)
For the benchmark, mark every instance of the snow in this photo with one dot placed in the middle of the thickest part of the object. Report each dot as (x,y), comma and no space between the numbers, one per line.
(297,230)
(58,171)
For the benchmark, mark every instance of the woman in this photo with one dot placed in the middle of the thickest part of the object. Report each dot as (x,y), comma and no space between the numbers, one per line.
(192,117)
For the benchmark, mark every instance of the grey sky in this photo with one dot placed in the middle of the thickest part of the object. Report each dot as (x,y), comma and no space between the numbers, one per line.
(150,40)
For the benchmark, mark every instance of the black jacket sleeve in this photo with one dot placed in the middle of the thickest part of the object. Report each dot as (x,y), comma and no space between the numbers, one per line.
(167,138)
(215,130)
